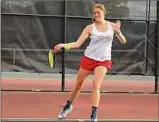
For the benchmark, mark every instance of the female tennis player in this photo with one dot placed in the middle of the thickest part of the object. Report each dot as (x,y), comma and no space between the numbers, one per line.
(97,57)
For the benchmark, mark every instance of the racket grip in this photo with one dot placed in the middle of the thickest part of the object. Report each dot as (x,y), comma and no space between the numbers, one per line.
(54,51)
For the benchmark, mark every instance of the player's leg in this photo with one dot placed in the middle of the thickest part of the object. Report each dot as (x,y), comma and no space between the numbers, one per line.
(99,74)
(81,76)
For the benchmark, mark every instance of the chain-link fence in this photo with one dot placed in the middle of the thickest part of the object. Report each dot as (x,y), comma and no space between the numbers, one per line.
(30,28)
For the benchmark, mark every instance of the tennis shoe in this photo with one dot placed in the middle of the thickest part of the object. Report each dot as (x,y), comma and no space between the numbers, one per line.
(64,112)
(93,118)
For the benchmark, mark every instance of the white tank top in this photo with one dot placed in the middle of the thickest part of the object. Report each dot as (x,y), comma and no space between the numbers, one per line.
(100,44)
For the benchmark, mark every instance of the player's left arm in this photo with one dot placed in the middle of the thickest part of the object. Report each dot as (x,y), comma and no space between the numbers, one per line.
(116,27)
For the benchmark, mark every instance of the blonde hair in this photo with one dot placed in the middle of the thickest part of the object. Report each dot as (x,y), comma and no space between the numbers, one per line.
(101,7)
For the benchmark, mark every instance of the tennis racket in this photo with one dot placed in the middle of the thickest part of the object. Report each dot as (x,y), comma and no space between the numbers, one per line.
(51,58)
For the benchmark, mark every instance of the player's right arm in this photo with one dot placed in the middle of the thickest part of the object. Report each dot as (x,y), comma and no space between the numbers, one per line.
(84,35)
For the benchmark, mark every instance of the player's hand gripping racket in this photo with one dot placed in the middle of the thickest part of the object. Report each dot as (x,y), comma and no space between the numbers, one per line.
(51,54)
(51,58)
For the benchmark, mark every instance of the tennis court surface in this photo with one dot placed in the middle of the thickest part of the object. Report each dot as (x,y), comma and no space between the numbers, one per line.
(34,104)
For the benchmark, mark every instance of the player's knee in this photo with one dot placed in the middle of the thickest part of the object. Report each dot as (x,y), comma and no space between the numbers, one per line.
(78,86)
(96,86)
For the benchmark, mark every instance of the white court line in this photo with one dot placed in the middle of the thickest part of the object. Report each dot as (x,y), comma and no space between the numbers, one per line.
(75,120)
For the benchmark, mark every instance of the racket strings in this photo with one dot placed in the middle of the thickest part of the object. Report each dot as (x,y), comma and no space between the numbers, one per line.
(51,58)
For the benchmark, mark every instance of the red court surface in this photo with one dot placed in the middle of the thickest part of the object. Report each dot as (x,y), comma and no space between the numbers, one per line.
(47,105)
(55,85)
(20,104)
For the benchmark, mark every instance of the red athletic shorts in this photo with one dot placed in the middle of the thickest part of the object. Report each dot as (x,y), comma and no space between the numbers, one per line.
(90,64)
